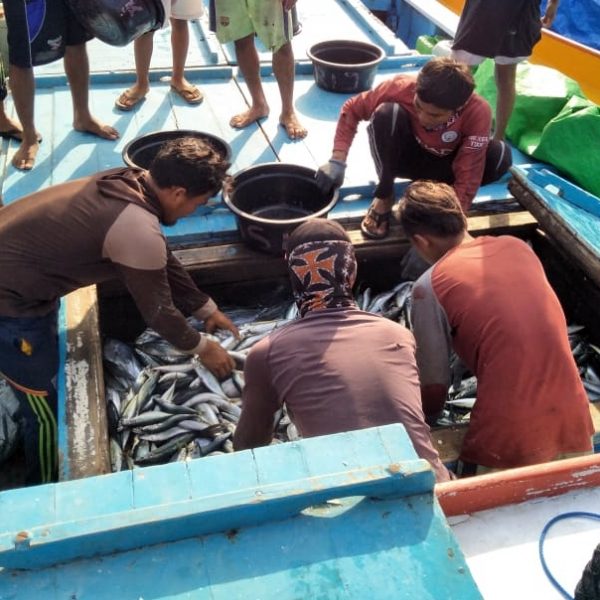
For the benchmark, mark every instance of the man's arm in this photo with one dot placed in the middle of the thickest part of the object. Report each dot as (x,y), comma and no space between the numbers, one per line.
(469,163)
(259,401)
(432,333)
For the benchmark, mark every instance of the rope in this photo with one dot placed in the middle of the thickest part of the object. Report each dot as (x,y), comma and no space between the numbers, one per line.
(549,524)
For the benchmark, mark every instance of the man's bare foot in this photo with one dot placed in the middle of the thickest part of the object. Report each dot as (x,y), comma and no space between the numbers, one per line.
(24,157)
(95,127)
(253,114)
(292,126)
(9,128)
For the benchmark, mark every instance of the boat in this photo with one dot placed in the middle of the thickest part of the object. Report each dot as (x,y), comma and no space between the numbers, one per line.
(85,531)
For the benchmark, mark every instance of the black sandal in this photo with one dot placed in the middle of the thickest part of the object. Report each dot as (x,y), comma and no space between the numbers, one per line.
(379,219)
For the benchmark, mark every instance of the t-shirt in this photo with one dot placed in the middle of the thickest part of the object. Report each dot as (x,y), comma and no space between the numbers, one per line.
(338,370)
(490,301)
(466,133)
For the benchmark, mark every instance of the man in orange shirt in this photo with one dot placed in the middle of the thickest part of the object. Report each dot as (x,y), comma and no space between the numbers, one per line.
(488,299)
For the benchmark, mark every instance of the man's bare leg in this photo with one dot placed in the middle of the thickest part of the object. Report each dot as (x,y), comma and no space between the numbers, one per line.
(23,92)
(6,123)
(283,68)
(77,69)
(506,76)
(142,52)
(248,61)
(180,41)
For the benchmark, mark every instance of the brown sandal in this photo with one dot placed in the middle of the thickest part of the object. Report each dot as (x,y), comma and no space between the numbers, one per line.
(379,219)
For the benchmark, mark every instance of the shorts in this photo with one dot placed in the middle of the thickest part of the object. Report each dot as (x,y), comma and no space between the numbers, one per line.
(183,10)
(236,19)
(40,30)
(474,59)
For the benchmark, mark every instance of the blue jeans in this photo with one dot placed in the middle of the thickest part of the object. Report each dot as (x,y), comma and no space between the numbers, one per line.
(29,362)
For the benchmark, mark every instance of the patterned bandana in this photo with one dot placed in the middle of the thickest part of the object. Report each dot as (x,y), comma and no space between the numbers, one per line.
(322,275)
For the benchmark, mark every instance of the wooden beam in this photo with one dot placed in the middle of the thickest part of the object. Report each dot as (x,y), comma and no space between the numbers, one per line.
(85,411)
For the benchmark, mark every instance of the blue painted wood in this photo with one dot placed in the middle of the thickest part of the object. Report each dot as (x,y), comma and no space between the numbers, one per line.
(289,521)
(579,210)
(160,504)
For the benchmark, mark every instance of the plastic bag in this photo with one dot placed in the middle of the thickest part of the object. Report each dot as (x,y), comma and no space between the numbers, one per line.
(9,421)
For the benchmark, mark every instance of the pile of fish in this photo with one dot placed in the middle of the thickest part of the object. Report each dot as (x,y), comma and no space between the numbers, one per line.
(163,405)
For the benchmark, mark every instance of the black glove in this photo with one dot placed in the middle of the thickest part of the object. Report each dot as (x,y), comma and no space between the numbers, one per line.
(330,175)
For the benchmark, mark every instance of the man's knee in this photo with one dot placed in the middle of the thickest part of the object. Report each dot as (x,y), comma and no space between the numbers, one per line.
(497,161)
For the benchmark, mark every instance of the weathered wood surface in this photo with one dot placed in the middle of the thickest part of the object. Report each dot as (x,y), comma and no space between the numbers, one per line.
(83,428)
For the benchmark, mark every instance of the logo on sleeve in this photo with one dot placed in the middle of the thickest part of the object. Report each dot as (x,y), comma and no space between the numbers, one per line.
(449,136)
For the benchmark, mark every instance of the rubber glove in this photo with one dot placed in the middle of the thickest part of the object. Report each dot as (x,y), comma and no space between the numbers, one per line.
(330,175)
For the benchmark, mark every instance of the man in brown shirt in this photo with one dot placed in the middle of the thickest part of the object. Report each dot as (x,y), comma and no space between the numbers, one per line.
(337,368)
(87,231)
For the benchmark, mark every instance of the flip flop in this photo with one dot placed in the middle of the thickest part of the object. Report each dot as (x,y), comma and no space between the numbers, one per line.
(379,219)
(128,101)
(191,95)
(16,134)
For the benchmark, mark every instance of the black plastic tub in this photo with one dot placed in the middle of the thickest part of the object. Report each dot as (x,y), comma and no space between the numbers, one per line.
(140,151)
(271,199)
(345,66)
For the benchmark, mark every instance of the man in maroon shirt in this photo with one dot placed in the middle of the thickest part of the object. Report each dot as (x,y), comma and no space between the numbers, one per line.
(337,368)
(488,299)
(91,230)
(427,127)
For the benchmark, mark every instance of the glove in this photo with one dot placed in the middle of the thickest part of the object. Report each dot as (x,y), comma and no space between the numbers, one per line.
(330,175)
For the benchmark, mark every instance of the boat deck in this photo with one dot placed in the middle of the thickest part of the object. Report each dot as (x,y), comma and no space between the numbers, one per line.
(66,154)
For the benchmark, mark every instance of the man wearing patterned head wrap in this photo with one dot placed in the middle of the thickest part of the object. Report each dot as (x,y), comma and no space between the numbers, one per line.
(336,368)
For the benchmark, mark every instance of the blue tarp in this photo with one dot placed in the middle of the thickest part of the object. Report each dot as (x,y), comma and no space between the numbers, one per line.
(578,20)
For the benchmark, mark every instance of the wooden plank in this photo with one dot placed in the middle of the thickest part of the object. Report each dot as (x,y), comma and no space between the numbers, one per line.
(556,227)
(85,411)
(160,508)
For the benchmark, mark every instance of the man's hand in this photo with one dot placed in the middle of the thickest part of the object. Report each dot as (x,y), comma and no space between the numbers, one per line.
(330,175)
(216,360)
(219,320)
(550,15)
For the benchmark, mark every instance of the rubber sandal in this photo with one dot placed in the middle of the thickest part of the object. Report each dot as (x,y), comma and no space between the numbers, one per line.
(16,134)
(379,219)
(191,95)
(128,101)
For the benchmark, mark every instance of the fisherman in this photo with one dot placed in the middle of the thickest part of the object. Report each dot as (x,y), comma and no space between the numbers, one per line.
(427,127)
(337,368)
(88,231)
(488,299)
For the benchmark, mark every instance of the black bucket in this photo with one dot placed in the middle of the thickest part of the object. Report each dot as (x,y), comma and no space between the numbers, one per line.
(345,66)
(140,151)
(272,199)
(118,22)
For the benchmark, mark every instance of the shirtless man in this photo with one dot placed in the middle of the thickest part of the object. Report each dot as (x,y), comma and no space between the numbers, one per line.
(39,33)
(239,21)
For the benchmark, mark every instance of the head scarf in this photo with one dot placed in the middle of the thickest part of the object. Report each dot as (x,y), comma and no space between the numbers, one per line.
(322,266)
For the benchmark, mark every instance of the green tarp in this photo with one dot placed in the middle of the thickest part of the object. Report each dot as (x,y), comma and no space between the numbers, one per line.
(551,121)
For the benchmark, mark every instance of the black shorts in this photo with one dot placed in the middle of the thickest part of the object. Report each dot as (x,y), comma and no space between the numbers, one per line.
(40,30)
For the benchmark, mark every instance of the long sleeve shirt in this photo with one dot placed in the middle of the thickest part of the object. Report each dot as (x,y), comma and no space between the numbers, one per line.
(466,133)
(336,370)
(88,231)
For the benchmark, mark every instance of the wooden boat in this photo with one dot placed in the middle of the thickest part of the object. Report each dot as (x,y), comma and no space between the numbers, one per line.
(80,516)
